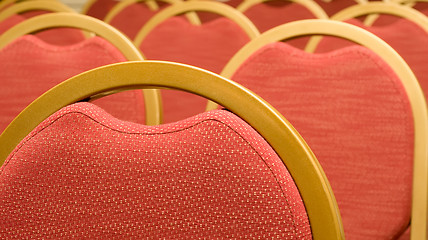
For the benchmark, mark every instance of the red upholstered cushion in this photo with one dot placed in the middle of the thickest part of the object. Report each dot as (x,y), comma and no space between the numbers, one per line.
(83,174)
(30,67)
(209,46)
(354,113)
(406,235)
(408,39)
(132,18)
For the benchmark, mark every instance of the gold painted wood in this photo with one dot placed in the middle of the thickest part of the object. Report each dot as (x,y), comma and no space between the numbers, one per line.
(310,179)
(311,5)
(399,66)
(214,7)
(151,97)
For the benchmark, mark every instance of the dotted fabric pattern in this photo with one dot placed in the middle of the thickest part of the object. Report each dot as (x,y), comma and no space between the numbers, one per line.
(208,46)
(31,66)
(84,174)
(354,113)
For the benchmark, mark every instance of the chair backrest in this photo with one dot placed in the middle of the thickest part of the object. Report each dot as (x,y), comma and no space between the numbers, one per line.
(210,45)
(32,66)
(361,111)
(221,174)
(129,16)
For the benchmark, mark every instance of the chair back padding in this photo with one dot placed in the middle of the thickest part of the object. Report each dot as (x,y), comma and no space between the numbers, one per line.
(84,174)
(355,114)
(31,67)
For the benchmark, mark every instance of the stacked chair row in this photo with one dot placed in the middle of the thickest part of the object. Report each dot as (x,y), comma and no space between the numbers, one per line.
(240,170)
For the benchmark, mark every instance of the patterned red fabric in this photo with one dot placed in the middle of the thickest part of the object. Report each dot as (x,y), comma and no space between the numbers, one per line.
(131,19)
(30,67)
(100,8)
(83,174)
(355,115)
(209,46)
(408,39)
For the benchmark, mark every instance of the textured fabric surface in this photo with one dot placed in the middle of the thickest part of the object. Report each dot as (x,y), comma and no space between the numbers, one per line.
(131,19)
(355,115)
(30,67)
(408,39)
(83,174)
(209,46)
(406,235)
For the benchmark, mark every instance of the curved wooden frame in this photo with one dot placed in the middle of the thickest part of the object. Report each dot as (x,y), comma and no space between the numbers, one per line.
(215,7)
(192,17)
(284,139)
(151,97)
(400,67)
(376,8)
(46,5)
(311,5)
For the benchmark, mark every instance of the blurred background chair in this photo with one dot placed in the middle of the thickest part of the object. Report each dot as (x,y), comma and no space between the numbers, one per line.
(361,111)
(167,36)
(31,66)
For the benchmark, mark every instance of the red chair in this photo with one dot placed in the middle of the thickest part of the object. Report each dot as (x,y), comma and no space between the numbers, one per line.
(209,46)
(31,67)
(363,114)
(223,174)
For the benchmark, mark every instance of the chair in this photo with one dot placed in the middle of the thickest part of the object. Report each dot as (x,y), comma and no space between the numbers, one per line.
(21,11)
(221,174)
(129,16)
(31,66)
(169,37)
(362,112)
